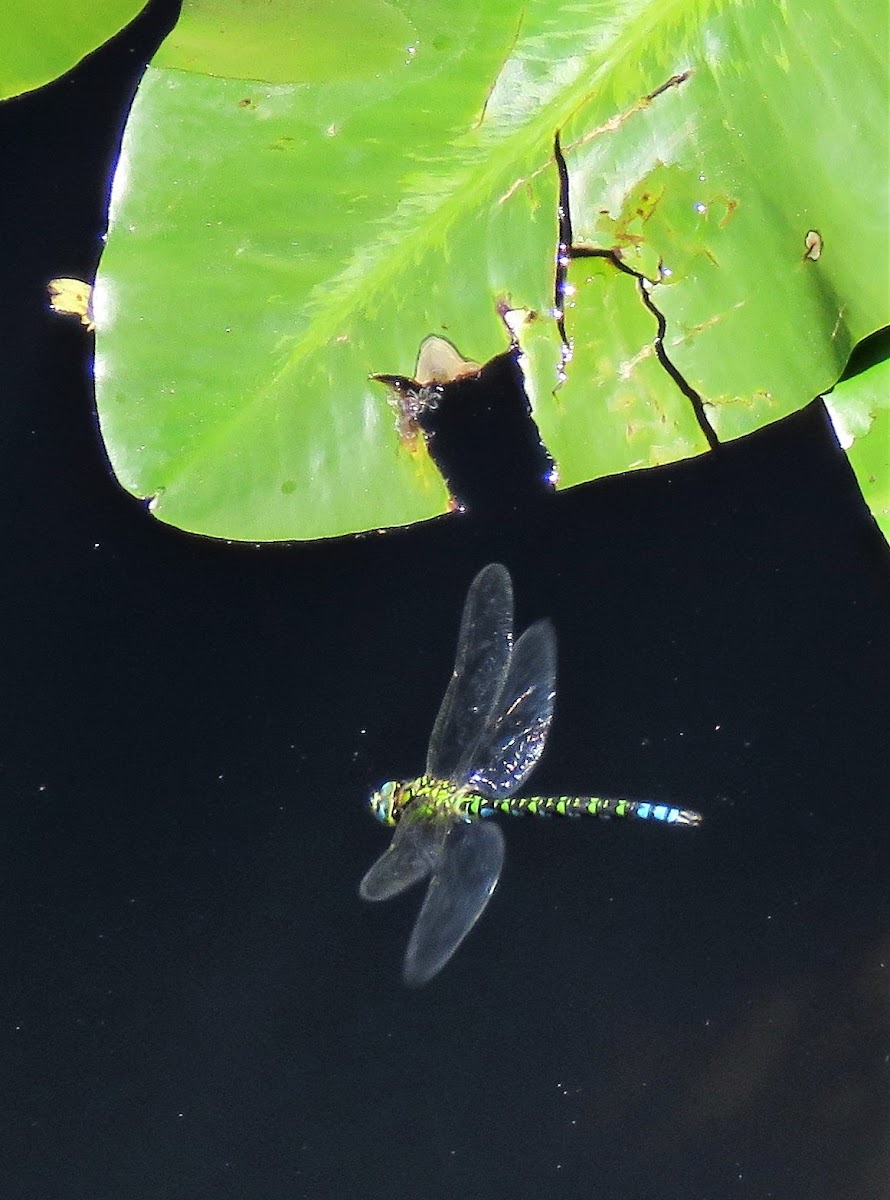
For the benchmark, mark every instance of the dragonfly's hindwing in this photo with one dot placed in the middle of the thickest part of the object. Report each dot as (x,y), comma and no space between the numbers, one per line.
(514,737)
(456,897)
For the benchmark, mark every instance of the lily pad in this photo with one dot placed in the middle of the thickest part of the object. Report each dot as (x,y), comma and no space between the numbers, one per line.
(282,42)
(860,413)
(274,245)
(43,39)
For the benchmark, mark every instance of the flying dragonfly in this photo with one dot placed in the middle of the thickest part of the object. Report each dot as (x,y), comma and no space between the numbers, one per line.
(489,733)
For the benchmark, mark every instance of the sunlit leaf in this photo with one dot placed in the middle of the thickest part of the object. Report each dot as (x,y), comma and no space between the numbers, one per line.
(281,41)
(274,245)
(860,412)
(42,39)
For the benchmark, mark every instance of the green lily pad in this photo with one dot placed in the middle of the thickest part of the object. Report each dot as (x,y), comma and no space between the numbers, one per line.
(43,39)
(283,42)
(860,412)
(273,245)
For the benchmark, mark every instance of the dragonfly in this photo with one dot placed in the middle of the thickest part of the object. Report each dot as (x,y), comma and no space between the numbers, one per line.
(490,732)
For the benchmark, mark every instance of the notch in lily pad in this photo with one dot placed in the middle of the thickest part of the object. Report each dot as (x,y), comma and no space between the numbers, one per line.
(439,362)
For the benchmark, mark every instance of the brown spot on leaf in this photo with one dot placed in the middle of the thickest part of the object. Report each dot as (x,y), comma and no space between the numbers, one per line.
(731,206)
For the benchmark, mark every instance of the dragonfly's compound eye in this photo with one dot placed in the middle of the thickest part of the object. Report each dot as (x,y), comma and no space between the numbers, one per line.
(382,804)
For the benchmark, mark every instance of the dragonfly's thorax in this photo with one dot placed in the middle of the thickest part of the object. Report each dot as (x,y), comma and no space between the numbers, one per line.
(430,798)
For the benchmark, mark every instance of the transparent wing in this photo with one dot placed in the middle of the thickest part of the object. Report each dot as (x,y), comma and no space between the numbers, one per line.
(513,738)
(414,852)
(480,667)
(456,897)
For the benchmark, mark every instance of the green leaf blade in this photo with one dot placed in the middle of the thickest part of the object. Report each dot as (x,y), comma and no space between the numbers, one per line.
(859,408)
(293,239)
(43,39)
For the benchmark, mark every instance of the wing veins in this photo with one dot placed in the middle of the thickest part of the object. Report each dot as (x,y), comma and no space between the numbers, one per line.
(481,664)
(514,737)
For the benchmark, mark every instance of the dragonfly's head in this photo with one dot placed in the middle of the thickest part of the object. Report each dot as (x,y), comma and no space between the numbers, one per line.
(383,803)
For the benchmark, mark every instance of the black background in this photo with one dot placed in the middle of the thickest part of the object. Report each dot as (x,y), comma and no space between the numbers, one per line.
(194,1001)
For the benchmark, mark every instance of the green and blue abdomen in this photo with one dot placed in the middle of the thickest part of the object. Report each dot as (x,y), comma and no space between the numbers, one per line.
(578,806)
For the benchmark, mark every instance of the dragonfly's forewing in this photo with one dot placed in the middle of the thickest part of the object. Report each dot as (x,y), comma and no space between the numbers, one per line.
(414,852)
(480,667)
(513,739)
(456,897)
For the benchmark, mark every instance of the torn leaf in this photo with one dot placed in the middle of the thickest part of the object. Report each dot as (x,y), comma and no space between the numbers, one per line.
(439,362)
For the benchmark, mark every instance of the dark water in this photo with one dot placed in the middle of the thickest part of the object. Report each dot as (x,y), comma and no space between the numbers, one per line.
(195,1003)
